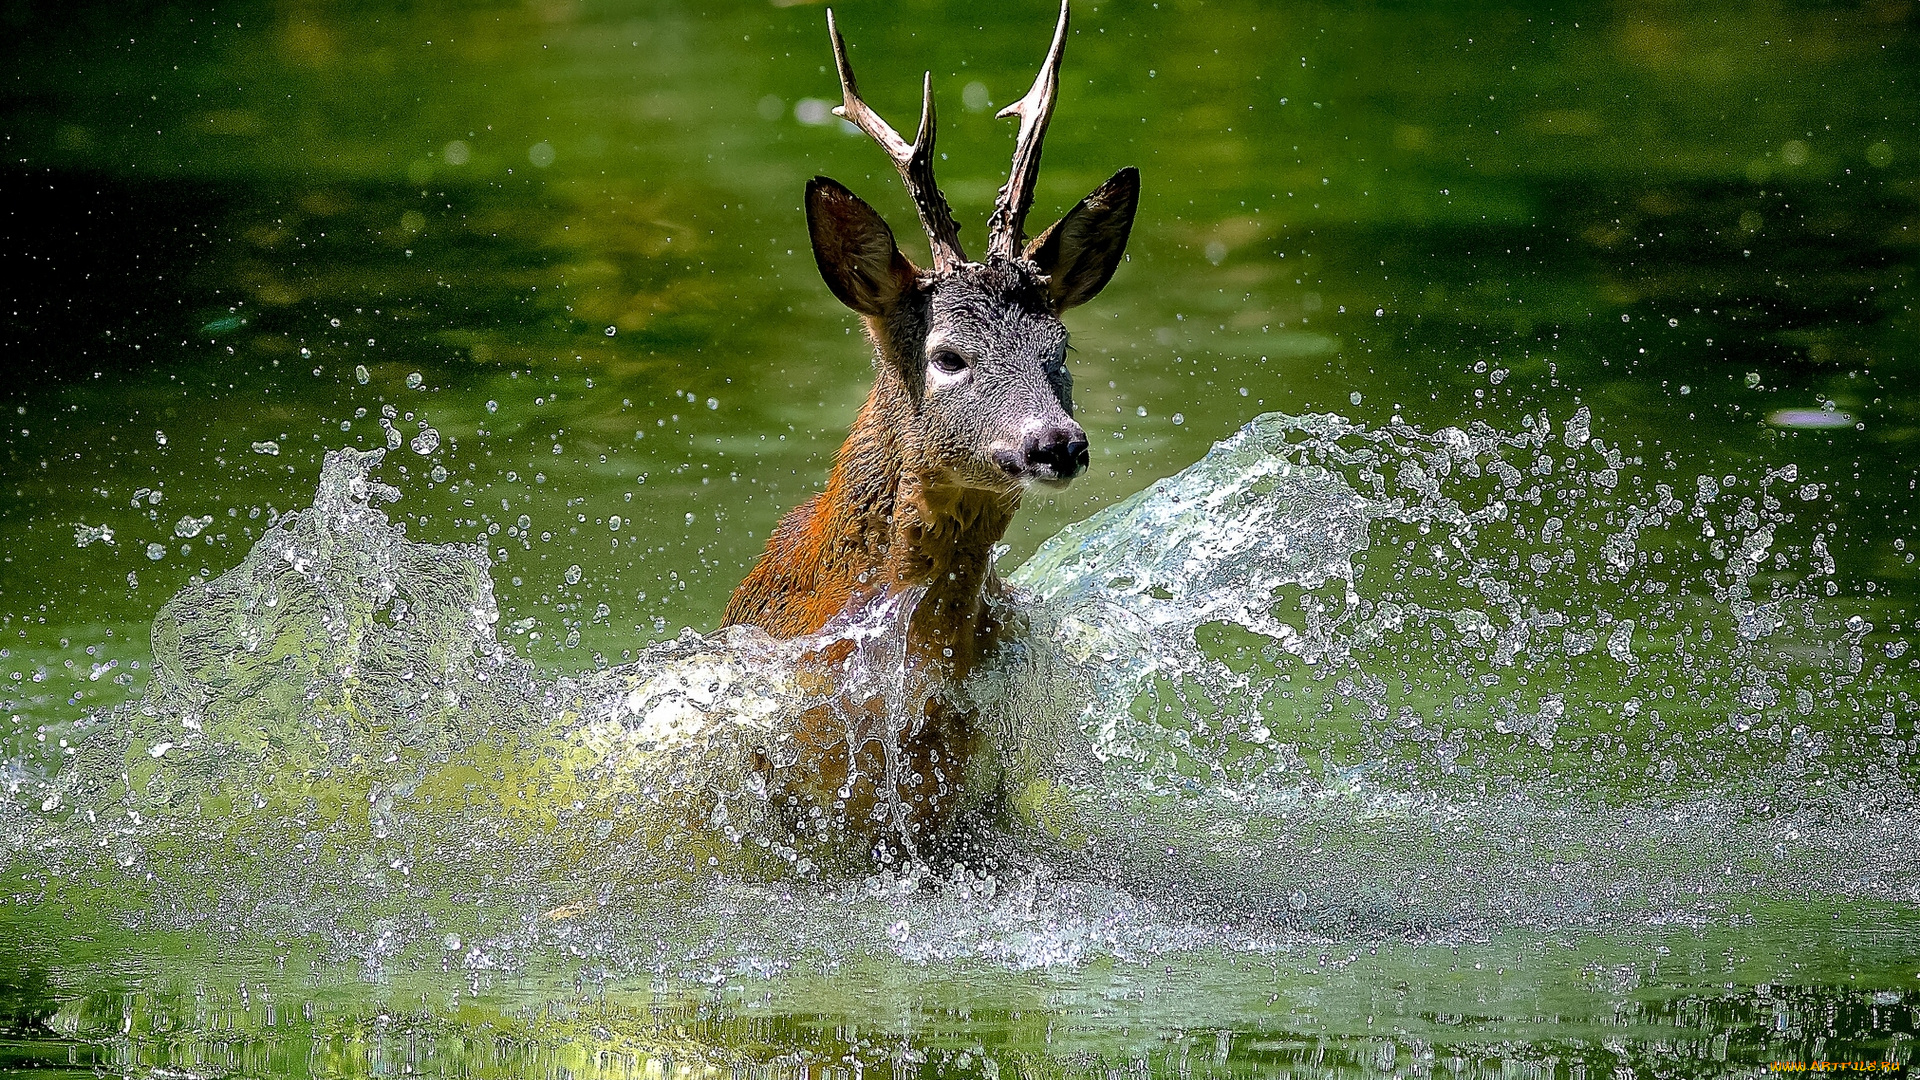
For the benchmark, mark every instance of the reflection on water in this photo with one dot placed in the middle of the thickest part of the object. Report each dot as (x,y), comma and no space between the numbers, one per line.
(274,1027)
(1551,714)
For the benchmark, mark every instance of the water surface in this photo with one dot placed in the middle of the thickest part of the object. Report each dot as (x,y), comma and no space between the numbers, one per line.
(552,255)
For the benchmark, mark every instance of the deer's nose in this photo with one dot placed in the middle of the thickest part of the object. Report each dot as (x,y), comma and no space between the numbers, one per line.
(1059,450)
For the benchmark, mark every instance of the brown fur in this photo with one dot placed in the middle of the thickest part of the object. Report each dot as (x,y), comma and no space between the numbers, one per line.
(880,526)
(885,523)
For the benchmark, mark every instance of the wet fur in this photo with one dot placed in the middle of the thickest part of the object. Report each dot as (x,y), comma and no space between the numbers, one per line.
(889,520)
(917,500)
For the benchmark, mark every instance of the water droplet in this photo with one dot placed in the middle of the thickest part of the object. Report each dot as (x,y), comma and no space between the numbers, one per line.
(156,552)
(414,380)
(361,374)
(268,447)
(613,523)
(573,574)
(1579,428)
(493,406)
(426,442)
(1620,641)
(1355,398)
(612,331)
(439,474)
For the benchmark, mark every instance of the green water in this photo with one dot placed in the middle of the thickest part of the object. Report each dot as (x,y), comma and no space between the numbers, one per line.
(566,238)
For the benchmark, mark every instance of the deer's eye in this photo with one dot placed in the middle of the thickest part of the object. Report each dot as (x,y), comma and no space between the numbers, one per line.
(949,361)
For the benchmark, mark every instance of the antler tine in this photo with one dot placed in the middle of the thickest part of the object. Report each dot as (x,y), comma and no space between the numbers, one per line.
(1004,228)
(915,160)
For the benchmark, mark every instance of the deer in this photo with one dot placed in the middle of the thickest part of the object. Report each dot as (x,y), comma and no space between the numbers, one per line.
(971,406)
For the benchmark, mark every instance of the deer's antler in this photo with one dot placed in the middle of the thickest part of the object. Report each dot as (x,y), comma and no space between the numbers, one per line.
(1004,228)
(914,160)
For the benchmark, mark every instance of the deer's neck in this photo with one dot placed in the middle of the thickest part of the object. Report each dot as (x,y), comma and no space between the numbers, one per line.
(899,524)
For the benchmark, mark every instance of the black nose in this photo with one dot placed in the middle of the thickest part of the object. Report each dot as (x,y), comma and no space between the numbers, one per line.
(1061,449)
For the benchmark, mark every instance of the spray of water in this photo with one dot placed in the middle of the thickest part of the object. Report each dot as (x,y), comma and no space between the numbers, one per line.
(1331,681)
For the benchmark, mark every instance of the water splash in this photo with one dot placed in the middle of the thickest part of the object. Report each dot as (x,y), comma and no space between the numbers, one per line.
(1396,679)
(1331,681)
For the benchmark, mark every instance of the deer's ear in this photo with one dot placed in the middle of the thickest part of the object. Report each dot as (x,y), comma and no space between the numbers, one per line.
(855,249)
(1080,252)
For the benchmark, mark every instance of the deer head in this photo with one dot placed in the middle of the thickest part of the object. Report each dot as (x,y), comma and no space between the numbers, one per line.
(977,348)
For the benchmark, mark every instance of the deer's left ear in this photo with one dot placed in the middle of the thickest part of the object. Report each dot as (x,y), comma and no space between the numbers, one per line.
(1081,251)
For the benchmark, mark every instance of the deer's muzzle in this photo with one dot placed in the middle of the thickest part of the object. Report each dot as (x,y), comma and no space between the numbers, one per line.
(1054,453)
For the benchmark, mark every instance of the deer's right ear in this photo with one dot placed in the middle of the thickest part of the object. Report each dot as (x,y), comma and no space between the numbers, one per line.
(855,249)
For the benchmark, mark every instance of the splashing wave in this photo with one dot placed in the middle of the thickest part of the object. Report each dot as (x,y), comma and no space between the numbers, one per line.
(1330,681)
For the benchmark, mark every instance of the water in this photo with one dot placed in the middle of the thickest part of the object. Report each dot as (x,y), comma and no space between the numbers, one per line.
(1226,750)
(1531,694)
